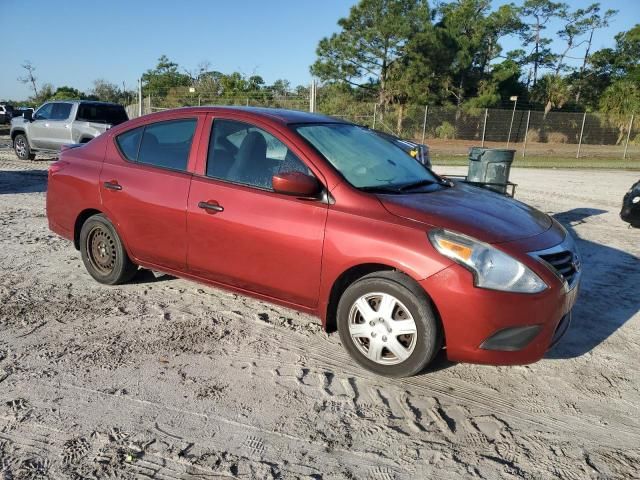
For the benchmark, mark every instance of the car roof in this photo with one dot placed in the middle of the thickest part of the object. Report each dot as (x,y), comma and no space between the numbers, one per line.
(278,114)
(91,102)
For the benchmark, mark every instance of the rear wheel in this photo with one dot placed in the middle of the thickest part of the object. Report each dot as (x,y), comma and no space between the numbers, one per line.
(103,253)
(22,149)
(387,324)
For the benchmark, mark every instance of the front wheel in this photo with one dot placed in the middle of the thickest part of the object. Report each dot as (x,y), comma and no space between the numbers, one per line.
(103,253)
(22,149)
(387,324)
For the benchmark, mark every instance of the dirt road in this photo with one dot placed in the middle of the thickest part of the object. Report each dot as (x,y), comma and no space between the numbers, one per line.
(168,379)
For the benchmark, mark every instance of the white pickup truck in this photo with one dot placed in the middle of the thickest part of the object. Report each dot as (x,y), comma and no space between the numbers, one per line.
(62,122)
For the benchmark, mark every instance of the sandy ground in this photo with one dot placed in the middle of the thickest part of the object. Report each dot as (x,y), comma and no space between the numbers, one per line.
(168,379)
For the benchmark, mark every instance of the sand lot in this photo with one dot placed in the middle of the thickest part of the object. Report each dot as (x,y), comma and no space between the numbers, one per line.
(168,379)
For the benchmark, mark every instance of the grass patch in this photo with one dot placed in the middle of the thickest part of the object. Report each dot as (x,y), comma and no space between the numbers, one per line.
(548,162)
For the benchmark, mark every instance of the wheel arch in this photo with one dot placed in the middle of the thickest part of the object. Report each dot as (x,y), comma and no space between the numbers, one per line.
(341,283)
(354,273)
(82,217)
(16,132)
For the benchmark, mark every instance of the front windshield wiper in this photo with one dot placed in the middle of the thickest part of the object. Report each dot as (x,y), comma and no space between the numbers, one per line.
(379,189)
(420,183)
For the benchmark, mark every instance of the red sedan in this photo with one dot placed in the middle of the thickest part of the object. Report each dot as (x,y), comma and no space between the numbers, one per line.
(326,217)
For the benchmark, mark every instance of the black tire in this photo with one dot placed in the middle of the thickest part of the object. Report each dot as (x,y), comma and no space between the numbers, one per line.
(428,336)
(22,148)
(103,253)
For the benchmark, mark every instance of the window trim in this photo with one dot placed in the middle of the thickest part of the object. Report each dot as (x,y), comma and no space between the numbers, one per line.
(248,185)
(40,108)
(144,129)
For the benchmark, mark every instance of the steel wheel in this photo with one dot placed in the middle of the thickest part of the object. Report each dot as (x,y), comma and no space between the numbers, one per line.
(101,249)
(382,328)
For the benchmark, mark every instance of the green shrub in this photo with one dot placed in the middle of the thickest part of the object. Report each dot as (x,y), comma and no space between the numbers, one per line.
(446,131)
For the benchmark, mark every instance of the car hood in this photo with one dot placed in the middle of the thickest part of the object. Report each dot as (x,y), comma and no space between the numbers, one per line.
(473,211)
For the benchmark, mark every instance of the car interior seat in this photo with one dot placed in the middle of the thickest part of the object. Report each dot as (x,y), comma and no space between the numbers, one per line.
(251,165)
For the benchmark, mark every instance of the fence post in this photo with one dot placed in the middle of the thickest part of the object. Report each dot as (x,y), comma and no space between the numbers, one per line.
(584,118)
(626,145)
(424,122)
(484,126)
(140,97)
(375,111)
(513,114)
(526,134)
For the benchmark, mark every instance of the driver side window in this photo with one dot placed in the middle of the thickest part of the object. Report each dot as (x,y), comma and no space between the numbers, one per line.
(44,112)
(243,153)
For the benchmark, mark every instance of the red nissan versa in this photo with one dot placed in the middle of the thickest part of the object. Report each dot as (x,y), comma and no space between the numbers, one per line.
(326,217)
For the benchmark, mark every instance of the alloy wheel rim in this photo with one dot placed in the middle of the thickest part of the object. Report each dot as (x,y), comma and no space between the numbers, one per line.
(382,328)
(101,249)
(21,149)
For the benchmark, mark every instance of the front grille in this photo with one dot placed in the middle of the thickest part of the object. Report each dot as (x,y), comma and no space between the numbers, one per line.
(564,263)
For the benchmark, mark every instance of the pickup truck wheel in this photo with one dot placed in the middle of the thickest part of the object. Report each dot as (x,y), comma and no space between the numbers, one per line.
(387,324)
(22,149)
(103,253)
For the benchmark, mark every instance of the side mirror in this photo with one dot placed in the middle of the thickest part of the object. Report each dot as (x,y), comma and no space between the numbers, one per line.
(297,184)
(28,115)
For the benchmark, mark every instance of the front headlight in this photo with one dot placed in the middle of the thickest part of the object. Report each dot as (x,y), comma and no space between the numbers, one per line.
(491,268)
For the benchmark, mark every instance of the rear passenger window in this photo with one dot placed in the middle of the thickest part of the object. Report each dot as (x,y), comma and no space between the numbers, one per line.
(129,143)
(167,144)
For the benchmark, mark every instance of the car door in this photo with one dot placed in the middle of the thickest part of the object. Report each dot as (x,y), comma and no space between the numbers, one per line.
(242,233)
(144,185)
(38,130)
(59,126)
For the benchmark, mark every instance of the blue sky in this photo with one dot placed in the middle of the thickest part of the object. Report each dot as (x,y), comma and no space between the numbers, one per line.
(73,42)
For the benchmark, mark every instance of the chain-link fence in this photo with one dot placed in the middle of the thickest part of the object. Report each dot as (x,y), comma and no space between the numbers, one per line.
(449,131)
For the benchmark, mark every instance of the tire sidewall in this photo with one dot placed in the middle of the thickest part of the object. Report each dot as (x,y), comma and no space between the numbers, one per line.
(428,332)
(118,272)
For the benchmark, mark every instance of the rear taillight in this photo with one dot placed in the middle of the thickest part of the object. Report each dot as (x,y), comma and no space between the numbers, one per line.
(57,166)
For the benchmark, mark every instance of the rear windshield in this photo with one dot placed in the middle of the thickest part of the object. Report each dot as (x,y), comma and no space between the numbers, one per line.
(112,114)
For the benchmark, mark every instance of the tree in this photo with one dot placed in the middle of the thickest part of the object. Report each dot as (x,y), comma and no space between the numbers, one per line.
(372,38)
(67,93)
(552,90)
(163,77)
(45,93)
(595,21)
(106,91)
(475,30)
(539,12)
(621,100)
(29,77)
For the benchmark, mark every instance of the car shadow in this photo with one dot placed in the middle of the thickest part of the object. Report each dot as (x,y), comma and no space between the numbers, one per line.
(23,181)
(145,275)
(608,293)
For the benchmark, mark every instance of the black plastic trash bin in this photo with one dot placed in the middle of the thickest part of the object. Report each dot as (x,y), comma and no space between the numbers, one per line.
(490,168)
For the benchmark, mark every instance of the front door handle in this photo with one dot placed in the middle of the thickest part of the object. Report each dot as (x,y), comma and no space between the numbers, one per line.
(211,206)
(112,185)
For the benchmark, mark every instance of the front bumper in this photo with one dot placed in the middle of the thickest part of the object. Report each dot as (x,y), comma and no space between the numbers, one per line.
(471,316)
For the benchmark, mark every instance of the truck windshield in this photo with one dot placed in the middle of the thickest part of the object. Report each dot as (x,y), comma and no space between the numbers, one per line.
(112,114)
(366,160)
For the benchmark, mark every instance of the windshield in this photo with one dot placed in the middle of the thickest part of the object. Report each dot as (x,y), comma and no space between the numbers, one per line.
(365,159)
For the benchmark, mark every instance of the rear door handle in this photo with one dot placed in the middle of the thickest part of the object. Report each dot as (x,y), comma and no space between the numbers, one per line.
(112,185)
(211,206)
